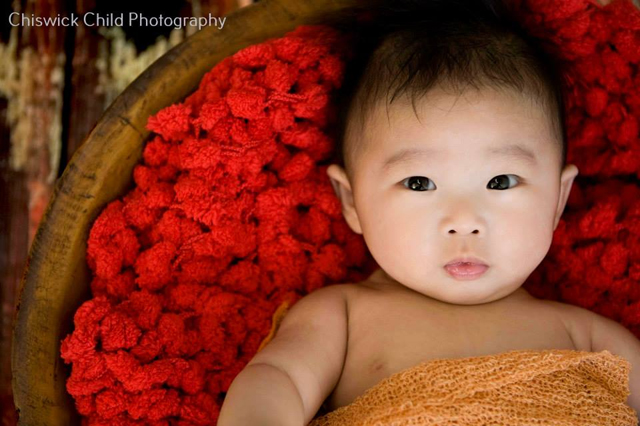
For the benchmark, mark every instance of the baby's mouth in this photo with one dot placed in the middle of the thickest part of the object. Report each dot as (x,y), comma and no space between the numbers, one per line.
(466,270)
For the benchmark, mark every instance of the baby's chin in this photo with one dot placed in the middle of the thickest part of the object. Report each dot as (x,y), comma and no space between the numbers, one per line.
(471,293)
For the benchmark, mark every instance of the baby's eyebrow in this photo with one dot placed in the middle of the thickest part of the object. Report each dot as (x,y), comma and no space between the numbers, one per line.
(407,154)
(514,151)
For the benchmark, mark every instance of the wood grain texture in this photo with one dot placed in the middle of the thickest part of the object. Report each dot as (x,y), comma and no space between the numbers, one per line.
(56,278)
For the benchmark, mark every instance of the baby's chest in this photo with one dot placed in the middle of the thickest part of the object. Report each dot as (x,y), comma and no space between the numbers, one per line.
(390,335)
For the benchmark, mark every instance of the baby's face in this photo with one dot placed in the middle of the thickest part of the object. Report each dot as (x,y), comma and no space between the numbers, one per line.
(478,176)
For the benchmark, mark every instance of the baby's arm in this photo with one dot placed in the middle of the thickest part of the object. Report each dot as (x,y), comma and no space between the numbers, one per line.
(617,339)
(288,380)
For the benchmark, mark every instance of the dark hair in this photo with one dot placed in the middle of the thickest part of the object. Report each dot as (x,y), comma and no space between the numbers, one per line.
(409,46)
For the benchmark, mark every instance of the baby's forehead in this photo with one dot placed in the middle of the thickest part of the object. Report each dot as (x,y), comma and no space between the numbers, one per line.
(504,125)
(437,111)
(474,114)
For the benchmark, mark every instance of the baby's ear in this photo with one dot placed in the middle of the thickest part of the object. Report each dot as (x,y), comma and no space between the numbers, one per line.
(569,173)
(342,187)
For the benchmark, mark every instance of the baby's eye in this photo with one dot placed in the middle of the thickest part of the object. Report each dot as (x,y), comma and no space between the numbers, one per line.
(417,183)
(502,182)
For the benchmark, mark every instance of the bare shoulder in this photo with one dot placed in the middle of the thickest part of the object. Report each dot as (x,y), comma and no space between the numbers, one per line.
(348,291)
(310,345)
(589,328)
(577,321)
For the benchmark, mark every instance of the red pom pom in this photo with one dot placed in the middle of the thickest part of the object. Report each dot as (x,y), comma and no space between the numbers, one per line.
(614,259)
(172,122)
(626,42)
(154,266)
(595,101)
(247,102)
(297,168)
(156,152)
(254,56)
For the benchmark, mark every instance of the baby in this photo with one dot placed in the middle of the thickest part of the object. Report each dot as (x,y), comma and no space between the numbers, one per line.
(454,173)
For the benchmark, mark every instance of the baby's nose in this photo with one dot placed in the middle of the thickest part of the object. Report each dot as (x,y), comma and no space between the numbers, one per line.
(463,221)
(462,230)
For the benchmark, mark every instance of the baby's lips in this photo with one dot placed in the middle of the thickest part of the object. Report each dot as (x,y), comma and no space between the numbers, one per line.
(466,268)
(468,260)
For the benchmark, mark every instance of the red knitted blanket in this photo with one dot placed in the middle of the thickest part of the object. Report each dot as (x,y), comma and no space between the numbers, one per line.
(232,214)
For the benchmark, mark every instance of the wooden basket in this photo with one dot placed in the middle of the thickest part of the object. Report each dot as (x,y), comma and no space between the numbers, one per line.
(56,278)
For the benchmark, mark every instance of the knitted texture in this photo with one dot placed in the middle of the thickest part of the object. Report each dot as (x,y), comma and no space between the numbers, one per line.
(548,387)
(232,215)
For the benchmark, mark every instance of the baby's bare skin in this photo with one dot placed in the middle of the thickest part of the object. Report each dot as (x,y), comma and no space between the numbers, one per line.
(392,328)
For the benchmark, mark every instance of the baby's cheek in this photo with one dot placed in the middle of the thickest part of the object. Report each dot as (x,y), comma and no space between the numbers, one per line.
(382,235)
(401,248)
(526,240)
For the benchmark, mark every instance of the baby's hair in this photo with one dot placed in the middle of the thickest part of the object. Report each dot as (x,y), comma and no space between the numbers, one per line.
(408,47)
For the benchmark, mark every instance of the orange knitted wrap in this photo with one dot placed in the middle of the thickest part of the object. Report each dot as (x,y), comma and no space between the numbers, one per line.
(524,387)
